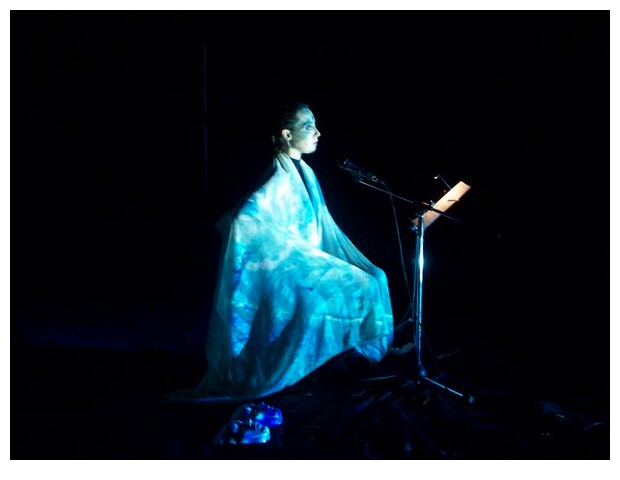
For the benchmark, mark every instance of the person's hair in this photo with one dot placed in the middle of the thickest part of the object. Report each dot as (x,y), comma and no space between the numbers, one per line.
(285,117)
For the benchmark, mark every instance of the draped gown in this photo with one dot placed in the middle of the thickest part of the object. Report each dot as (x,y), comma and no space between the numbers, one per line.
(292,291)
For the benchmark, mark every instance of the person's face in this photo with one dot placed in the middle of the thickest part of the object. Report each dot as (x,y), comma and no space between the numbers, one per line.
(304,136)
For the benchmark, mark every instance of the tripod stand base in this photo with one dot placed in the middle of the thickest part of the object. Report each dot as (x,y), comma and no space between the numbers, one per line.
(416,379)
(419,381)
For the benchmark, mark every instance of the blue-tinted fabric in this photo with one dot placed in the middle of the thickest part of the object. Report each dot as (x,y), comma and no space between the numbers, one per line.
(292,291)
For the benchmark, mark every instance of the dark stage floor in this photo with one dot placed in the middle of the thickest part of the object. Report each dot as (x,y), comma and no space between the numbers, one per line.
(70,403)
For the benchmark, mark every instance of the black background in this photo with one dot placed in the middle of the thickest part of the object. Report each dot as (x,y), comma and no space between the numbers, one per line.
(131,132)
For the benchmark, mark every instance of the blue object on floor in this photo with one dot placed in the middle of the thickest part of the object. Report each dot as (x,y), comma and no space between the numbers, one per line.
(259,413)
(237,432)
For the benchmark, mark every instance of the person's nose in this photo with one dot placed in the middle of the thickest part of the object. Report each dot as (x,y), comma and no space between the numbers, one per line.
(317,133)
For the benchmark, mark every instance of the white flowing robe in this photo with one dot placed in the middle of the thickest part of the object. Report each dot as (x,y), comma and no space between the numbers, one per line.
(292,292)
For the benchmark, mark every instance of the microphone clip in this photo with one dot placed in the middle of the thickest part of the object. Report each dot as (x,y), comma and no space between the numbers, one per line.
(358,172)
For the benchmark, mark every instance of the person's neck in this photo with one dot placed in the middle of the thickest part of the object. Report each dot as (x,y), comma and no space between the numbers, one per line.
(294,154)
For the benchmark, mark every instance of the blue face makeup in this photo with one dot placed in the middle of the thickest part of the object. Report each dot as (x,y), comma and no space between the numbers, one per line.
(305,134)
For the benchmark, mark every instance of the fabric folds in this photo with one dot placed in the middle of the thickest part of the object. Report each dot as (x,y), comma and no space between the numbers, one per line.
(292,291)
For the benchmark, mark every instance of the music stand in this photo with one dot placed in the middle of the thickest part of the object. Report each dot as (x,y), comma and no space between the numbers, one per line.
(424,218)
(427,214)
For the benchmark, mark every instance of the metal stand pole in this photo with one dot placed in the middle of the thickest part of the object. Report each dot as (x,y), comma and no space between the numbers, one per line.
(418,272)
(418,267)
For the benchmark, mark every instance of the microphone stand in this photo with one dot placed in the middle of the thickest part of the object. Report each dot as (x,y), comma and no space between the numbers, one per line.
(419,227)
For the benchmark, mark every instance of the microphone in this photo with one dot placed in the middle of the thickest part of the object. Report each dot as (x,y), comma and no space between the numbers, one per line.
(437,176)
(359,172)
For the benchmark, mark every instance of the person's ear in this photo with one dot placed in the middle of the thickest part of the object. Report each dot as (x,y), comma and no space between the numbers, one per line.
(286,133)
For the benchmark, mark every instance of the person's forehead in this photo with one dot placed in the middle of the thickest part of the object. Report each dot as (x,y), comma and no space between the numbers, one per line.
(305,116)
